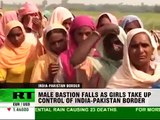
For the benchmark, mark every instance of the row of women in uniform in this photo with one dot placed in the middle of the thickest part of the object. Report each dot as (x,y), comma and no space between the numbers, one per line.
(73,49)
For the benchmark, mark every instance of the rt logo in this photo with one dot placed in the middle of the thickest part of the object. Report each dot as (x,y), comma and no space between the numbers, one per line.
(22,95)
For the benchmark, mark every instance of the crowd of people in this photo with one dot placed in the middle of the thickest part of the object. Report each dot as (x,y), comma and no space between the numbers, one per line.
(60,47)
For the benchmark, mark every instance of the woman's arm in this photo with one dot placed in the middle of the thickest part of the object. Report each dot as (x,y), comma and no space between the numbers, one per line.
(85,47)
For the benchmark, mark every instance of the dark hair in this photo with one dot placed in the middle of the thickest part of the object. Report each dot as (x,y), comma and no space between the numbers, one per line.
(55,31)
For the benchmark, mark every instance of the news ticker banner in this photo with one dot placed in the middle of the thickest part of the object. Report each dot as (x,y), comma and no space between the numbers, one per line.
(79,103)
(97,97)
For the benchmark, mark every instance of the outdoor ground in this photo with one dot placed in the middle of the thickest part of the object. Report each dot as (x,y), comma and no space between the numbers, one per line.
(150,20)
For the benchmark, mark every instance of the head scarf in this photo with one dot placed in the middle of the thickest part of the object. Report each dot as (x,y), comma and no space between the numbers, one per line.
(48,29)
(130,35)
(111,17)
(28,8)
(12,56)
(127,75)
(105,66)
(65,57)
(7,17)
(59,15)
(79,22)
(40,71)
(130,18)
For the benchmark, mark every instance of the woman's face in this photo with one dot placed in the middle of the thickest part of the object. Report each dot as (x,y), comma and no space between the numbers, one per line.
(16,36)
(57,42)
(103,20)
(27,21)
(132,25)
(140,50)
(67,23)
(82,34)
(113,47)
